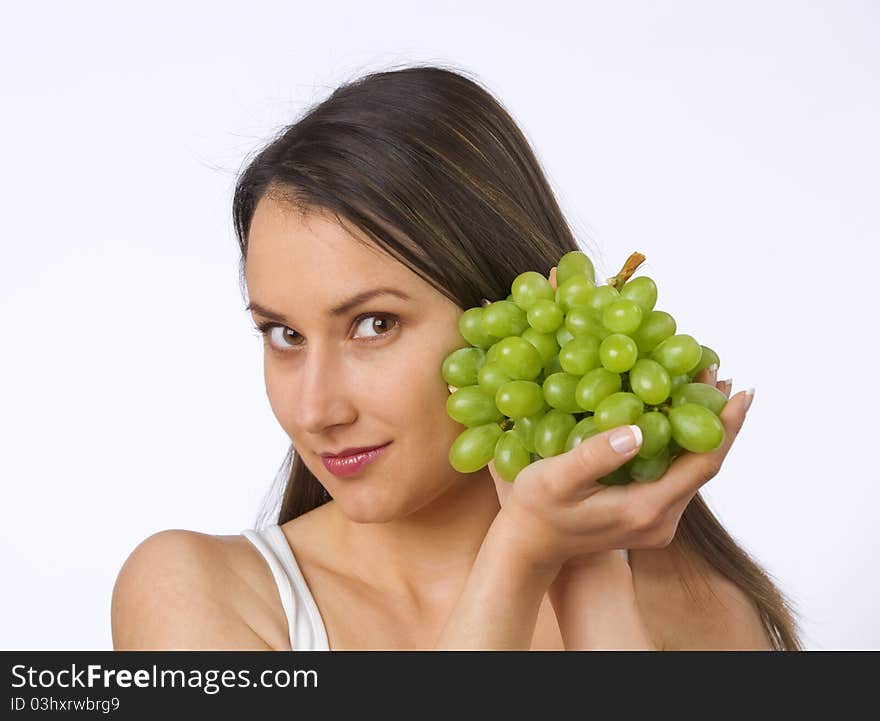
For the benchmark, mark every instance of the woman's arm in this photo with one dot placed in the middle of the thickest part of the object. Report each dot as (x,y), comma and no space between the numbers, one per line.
(595,604)
(498,608)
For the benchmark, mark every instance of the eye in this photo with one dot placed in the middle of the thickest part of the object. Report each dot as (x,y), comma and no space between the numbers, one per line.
(385,324)
(280,343)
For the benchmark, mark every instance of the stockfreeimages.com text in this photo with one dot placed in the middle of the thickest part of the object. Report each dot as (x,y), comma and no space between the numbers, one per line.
(210,681)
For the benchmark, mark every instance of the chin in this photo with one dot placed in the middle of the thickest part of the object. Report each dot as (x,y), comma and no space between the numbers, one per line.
(361,505)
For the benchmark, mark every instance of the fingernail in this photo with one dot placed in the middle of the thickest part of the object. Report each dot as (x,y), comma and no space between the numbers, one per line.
(713,368)
(728,382)
(750,394)
(626,439)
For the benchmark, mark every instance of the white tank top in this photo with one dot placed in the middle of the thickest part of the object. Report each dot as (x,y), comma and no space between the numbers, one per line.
(304,623)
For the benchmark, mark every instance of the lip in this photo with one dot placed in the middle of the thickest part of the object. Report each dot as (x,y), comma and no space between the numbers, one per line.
(350,465)
(352,451)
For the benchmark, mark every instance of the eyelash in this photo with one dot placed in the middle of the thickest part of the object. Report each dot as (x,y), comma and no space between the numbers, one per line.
(265,327)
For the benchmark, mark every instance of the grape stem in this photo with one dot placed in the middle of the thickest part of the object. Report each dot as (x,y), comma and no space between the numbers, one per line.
(633,262)
(506,424)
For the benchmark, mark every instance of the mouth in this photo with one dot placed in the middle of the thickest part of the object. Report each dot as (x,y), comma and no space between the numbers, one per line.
(353,463)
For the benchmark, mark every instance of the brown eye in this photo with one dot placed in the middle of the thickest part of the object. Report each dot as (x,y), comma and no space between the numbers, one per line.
(380,325)
(288,337)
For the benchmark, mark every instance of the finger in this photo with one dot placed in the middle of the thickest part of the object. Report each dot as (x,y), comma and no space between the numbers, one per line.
(502,487)
(690,471)
(574,475)
(552,277)
(726,386)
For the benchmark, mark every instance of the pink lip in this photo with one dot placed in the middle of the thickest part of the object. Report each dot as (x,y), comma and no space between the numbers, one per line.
(344,466)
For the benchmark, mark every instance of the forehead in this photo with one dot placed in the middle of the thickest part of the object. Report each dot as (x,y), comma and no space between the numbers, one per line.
(292,252)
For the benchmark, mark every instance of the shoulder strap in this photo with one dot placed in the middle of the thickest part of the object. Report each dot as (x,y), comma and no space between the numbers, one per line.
(305,626)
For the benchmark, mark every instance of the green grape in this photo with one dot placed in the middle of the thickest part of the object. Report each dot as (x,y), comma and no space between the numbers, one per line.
(504,318)
(678,354)
(618,353)
(622,316)
(696,428)
(595,386)
(574,263)
(679,381)
(643,291)
(573,292)
(525,429)
(583,321)
(491,377)
(579,355)
(552,431)
(602,296)
(702,394)
(656,327)
(650,381)
(674,448)
(470,325)
(530,287)
(545,316)
(511,456)
(648,470)
(492,353)
(474,447)
(559,392)
(516,399)
(472,406)
(550,367)
(585,428)
(461,366)
(545,343)
(656,433)
(617,477)
(563,335)
(618,409)
(707,357)
(519,358)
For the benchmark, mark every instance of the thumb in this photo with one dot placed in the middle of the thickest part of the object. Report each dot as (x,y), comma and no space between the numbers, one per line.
(575,473)
(502,487)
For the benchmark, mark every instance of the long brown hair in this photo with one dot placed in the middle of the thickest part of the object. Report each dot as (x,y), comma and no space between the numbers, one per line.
(436,172)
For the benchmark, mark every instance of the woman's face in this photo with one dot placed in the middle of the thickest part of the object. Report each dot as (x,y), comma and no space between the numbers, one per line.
(356,377)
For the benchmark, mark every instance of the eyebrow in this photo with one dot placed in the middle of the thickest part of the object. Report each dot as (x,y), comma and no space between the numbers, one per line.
(337,310)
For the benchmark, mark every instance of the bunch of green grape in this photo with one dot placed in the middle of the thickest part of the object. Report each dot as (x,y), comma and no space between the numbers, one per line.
(548,368)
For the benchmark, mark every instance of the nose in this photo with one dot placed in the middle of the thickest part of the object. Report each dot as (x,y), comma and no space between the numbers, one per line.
(324,398)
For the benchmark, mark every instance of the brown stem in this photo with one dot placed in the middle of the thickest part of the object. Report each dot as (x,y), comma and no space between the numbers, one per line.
(633,262)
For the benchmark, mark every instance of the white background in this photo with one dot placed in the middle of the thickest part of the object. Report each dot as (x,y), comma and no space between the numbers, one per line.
(735,144)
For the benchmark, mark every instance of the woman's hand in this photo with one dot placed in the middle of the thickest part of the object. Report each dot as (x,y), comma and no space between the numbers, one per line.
(558,511)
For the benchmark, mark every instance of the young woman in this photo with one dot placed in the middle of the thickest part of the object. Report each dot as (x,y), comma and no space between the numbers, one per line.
(366,229)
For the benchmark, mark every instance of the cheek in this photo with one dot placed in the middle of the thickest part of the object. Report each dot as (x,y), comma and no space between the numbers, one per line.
(422,395)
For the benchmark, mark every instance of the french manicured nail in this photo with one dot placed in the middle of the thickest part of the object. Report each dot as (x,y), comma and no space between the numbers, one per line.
(750,394)
(626,439)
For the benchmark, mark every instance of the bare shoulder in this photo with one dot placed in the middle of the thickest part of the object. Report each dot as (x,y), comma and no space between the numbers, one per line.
(692,606)
(183,590)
